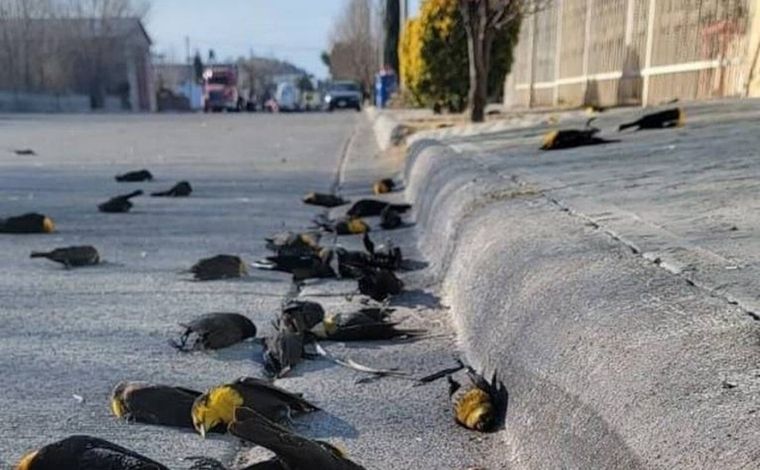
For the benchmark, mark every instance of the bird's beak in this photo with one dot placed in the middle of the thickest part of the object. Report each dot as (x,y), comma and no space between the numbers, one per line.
(202,430)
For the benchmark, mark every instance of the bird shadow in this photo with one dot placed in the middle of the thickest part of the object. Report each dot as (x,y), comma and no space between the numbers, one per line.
(416,298)
(409,265)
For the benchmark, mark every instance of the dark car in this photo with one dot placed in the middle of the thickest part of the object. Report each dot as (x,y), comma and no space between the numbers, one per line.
(343,95)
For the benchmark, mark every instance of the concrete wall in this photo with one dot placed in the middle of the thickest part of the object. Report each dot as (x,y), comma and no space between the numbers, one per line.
(43,103)
(621,52)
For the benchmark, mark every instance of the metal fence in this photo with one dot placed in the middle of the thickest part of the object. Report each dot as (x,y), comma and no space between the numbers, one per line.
(617,52)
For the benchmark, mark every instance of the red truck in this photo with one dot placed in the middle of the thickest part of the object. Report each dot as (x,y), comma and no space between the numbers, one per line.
(220,89)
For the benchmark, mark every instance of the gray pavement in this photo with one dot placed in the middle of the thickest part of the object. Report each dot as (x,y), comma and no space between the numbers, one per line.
(78,332)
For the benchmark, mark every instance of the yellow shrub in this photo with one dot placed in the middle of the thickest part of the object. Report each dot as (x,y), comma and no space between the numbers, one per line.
(411,66)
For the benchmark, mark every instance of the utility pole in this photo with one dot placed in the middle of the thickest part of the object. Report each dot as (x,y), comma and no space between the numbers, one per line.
(188,59)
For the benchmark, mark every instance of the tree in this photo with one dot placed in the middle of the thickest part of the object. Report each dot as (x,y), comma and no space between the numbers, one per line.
(325,57)
(483,20)
(198,67)
(305,84)
(392,29)
(353,55)
(433,49)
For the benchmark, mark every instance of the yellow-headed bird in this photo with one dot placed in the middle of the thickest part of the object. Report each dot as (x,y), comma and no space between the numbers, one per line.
(367,324)
(324,200)
(214,331)
(219,267)
(216,407)
(27,223)
(383,186)
(153,404)
(86,453)
(674,117)
(379,284)
(71,256)
(372,207)
(344,226)
(292,243)
(480,405)
(293,452)
(571,138)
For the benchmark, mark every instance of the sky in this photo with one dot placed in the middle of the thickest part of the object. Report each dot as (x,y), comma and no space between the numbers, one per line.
(293,30)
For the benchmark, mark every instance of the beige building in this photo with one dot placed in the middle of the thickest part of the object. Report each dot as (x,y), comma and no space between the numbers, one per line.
(636,52)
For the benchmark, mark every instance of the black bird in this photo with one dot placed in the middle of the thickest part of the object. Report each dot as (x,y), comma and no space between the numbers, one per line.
(345,226)
(383,186)
(307,266)
(301,316)
(292,243)
(479,405)
(282,352)
(219,267)
(86,453)
(674,117)
(25,152)
(162,405)
(367,324)
(324,200)
(72,256)
(205,463)
(292,451)
(385,256)
(214,331)
(135,177)
(379,284)
(119,204)
(373,207)
(390,219)
(181,189)
(27,223)
(571,138)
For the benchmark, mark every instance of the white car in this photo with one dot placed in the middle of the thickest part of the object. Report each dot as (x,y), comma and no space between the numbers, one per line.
(288,97)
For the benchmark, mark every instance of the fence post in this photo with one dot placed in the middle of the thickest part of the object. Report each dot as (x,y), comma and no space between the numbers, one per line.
(533,27)
(586,48)
(648,56)
(558,52)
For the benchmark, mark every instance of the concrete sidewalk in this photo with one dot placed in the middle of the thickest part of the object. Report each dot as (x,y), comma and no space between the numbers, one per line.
(613,287)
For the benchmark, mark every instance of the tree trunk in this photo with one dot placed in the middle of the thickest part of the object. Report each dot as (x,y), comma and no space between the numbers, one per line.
(479,42)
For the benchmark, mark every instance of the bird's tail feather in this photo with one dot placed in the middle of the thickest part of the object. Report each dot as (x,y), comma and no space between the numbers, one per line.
(39,254)
(627,125)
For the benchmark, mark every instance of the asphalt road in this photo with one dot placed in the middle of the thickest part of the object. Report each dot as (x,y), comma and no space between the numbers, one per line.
(79,332)
(67,337)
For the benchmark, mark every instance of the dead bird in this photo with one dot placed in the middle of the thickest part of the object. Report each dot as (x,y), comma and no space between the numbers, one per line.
(181,189)
(282,352)
(385,256)
(324,200)
(217,406)
(373,207)
(72,256)
(390,219)
(367,324)
(119,204)
(571,138)
(219,267)
(344,226)
(383,186)
(293,452)
(162,405)
(27,224)
(214,331)
(300,316)
(135,177)
(307,266)
(379,284)
(479,405)
(294,243)
(674,117)
(25,152)
(86,453)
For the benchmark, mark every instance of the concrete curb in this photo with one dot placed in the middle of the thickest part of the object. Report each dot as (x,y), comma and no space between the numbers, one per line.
(387,129)
(610,361)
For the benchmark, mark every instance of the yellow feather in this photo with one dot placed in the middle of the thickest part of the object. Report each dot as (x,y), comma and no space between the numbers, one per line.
(357,226)
(48,225)
(380,188)
(26,461)
(218,407)
(550,138)
(117,407)
(472,406)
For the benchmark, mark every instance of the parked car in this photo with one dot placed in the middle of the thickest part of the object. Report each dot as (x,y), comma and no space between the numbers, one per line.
(342,95)
(288,97)
(220,89)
